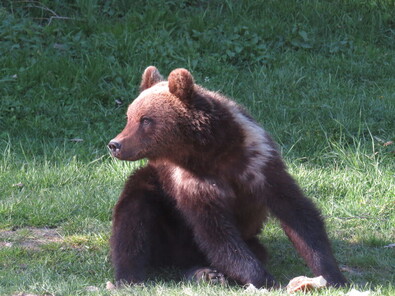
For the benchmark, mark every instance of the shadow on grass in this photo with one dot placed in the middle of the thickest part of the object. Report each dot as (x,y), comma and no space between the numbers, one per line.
(365,267)
(362,264)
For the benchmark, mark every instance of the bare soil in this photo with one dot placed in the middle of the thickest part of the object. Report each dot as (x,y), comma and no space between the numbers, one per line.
(29,237)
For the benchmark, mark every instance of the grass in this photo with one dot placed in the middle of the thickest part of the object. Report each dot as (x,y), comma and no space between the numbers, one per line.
(318,75)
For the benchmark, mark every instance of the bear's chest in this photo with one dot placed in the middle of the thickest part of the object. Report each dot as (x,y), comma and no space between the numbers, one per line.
(186,187)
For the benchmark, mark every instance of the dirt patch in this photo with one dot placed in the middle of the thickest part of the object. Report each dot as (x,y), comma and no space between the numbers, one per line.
(29,237)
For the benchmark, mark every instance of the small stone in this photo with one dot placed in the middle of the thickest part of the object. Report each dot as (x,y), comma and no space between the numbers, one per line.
(92,288)
(303,283)
(354,292)
(110,286)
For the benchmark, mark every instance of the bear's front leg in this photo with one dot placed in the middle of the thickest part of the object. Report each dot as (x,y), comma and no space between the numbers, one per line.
(303,224)
(133,222)
(226,251)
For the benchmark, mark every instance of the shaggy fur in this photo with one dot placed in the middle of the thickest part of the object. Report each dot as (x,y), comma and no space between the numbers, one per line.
(212,176)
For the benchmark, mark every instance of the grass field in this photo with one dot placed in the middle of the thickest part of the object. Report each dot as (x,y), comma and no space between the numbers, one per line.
(319,75)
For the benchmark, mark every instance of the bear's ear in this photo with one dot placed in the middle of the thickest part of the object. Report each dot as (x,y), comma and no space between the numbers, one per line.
(151,76)
(181,83)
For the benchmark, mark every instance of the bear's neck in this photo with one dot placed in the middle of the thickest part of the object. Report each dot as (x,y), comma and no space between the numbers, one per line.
(214,158)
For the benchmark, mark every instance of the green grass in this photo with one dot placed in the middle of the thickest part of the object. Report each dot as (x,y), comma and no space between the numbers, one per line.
(319,75)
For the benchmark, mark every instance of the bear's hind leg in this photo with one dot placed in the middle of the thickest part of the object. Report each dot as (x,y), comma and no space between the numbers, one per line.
(135,222)
(148,231)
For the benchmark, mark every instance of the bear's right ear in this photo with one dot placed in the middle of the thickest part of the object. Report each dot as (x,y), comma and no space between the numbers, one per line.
(151,76)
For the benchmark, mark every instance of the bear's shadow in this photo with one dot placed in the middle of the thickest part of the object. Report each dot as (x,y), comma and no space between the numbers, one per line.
(284,264)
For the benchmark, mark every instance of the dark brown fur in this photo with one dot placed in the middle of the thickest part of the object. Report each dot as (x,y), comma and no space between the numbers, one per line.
(205,193)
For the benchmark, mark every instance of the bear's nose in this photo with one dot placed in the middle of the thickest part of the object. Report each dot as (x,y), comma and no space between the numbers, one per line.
(114,146)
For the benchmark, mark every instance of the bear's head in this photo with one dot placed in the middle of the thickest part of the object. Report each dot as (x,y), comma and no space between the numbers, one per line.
(160,118)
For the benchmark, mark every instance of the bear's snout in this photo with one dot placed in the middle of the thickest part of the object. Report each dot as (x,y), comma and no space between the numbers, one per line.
(114,148)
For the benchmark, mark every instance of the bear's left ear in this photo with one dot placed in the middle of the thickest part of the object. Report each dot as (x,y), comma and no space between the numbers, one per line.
(151,76)
(181,83)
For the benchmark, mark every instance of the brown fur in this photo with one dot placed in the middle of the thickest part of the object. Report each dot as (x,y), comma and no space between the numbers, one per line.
(151,77)
(212,175)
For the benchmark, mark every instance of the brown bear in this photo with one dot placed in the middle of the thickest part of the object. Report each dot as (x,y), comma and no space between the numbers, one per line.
(213,175)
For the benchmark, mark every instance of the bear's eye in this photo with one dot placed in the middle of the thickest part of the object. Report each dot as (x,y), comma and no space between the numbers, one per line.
(145,120)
